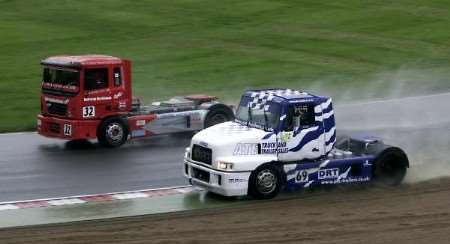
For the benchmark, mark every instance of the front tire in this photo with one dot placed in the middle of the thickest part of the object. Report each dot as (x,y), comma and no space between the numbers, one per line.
(112,133)
(265,182)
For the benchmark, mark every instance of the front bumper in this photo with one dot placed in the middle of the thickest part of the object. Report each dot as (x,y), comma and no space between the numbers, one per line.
(220,182)
(67,128)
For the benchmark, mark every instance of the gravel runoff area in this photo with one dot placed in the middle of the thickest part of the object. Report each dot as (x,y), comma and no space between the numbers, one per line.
(412,213)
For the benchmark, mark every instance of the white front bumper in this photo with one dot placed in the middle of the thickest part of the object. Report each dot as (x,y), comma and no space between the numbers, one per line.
(220,182)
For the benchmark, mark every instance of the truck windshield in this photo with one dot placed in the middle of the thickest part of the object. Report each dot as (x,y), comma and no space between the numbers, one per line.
(61,79)
(262,116)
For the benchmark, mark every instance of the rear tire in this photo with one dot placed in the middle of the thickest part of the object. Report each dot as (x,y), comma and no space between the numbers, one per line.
(390,167)
(217,114)
(113,132)
(265,182)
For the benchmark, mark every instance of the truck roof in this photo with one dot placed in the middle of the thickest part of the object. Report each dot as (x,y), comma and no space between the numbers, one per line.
(81,60)
(286,94)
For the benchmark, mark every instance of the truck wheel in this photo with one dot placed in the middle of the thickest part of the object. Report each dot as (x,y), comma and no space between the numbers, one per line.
(112,132)
(390,167)
(265,182)
(217,114)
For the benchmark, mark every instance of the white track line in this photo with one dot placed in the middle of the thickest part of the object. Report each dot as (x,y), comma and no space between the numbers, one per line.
(18,133)
(176,188)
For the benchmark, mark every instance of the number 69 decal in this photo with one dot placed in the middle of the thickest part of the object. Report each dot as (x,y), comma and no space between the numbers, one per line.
(302,176)
(88,111)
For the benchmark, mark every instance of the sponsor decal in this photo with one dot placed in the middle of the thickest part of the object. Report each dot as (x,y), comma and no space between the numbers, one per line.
(367,164)
(118,95)
(138,133)
(140,122)
(93,99)
(285,136)
(236,180)
(346,180)
(302,101)
(54,100)
(246,149)
(59,86)
(273,147)
(170,115)
(122,105)
(196,117)
(328,173)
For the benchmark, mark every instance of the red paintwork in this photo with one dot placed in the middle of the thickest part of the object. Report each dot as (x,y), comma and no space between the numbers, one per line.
(81,129)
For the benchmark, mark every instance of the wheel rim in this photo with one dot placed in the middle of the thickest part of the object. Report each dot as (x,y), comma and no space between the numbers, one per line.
(266,181)
(114,133)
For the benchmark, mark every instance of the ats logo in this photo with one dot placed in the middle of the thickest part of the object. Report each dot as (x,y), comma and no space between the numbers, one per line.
(328,173)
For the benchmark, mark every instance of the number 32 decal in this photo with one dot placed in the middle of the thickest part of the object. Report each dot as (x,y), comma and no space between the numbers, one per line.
(88,111)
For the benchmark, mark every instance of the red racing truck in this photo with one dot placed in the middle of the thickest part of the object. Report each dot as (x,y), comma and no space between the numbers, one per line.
(89,97)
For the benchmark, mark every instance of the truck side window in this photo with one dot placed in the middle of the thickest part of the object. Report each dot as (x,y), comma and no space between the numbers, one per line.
(289,121)
(299,116)
(117,77)
(306,115)
(96,79)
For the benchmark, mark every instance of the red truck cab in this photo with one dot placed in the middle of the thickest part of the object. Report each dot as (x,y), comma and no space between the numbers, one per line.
(78,92)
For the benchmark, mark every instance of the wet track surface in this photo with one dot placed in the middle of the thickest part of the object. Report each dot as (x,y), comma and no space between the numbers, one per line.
(34,167)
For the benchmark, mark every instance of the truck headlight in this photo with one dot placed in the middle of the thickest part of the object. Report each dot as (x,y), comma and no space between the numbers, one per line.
(39,122)
(225,165)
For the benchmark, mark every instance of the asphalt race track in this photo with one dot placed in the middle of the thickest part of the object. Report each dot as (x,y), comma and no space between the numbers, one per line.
(33,167)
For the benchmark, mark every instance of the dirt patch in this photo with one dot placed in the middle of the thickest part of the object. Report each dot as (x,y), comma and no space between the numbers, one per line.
(416,213)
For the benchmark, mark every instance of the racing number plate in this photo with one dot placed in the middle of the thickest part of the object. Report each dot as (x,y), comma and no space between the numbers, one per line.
(88,111)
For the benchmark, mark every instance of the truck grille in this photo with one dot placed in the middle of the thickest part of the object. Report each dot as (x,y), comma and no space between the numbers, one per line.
(57,108)
(200,174)
(54,128)
(202,154)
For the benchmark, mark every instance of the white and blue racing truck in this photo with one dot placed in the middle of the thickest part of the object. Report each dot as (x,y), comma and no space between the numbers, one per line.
(283,138)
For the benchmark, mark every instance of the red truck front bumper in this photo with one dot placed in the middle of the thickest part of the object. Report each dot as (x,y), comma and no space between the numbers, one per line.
(67,128)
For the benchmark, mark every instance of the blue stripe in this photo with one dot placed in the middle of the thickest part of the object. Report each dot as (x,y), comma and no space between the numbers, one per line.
(332,139)
(327,109)
(329,123)
(310,136)
(268,135)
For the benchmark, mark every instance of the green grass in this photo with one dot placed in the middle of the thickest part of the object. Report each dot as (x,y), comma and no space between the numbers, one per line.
(350,49)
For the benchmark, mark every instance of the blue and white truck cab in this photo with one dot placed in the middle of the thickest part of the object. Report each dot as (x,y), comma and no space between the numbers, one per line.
(283,138)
